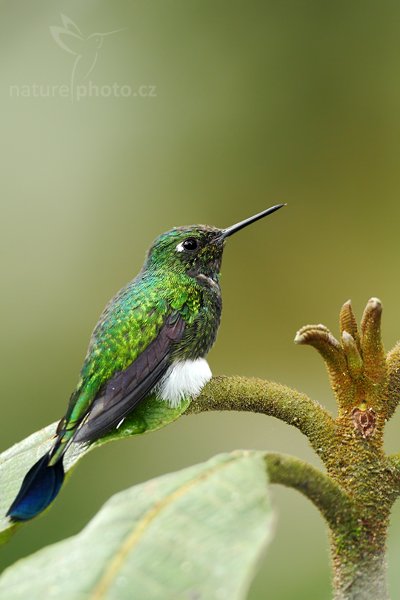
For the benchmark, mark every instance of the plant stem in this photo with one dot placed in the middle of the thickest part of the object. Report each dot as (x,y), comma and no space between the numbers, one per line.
(273,399)
(328,497)
(359,571)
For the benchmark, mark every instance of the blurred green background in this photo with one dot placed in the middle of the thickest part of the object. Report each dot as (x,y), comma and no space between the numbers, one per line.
(254,103)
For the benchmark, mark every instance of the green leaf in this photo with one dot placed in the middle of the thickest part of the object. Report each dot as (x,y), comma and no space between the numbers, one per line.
(17,460)
(196,534)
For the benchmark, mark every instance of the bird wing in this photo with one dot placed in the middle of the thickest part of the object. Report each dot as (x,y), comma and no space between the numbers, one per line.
(128,387)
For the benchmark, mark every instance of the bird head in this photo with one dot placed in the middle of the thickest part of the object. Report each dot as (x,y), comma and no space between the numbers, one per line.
(196,250)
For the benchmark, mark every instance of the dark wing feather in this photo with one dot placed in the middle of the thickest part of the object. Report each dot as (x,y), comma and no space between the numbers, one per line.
(127,388)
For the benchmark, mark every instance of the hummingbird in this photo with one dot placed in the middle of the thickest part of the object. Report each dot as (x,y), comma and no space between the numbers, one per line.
(152,337)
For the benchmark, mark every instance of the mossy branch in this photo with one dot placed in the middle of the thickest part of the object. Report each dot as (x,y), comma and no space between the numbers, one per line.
(268,398)
(332,501)
(393,367)
(394,470)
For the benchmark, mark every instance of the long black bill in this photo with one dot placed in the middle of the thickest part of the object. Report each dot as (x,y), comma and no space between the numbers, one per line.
(234,228)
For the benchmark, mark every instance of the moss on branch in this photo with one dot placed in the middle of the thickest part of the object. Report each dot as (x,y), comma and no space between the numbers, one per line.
(331,500)
(268,398)
(393,368)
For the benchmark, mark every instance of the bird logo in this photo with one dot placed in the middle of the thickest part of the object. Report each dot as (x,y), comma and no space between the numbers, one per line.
(85,48)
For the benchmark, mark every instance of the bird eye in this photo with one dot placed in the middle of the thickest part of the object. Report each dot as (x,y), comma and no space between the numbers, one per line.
(190,244)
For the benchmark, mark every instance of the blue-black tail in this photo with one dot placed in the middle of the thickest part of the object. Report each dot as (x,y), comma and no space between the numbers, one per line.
(39,488)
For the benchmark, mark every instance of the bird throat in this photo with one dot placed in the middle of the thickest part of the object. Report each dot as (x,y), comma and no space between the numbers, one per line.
(211,282)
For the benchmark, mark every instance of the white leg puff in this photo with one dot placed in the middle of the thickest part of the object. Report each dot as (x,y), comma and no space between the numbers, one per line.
(184,378)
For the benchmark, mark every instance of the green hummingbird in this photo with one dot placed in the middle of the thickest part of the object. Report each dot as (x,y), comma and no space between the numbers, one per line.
(153,336)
